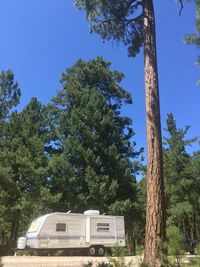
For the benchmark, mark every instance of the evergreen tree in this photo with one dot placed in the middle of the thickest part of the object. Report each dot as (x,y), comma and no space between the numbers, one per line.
(182,180)
(194,39)
(93,170)
(25,183)
(9,93)
(133,23)
(140,218)
(195,196)
(9,98)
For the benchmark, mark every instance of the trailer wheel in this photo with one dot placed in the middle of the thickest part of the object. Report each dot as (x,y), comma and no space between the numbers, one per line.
(92,251)
(101,251)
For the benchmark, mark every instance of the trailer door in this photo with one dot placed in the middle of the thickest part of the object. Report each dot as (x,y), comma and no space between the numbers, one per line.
(103,230)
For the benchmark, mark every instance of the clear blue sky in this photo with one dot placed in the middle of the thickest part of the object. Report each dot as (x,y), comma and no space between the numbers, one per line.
(41,38)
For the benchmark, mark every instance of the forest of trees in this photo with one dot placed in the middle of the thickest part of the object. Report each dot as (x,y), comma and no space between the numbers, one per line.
(79,151)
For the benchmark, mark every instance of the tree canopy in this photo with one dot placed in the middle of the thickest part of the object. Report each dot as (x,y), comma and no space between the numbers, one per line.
(76,153)
(194,39)
(182,180)
(119,20)
(94,138)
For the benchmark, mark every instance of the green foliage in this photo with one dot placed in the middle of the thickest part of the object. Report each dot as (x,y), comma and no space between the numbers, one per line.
(104,264)
(174,244)
(194,261)
(198,250)
(94,140)
(96,160)
(118,251)
(9,93)
(141,212)
(9,98)
(194,39)
(139,249)
(118,260)
(99,264)
(182,180)
(24,172)
(120,20)
(76,153)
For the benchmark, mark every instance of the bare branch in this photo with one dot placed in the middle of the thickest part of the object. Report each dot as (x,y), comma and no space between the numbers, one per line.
(181,3)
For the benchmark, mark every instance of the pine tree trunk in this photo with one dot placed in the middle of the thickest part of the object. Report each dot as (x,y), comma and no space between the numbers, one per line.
(2,238)
(13,235)
(196,222)
(131,239)
(155,216)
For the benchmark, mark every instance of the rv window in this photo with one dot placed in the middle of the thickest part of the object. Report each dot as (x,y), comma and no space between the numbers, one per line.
(60,227)
(34,226)
(102,227)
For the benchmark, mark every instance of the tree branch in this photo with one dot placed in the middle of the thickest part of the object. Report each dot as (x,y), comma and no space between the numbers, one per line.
(117,20)
(181,3)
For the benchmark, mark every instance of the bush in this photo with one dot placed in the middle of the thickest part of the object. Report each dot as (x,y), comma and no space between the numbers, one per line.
(119,261)
(174,244)
(139,249)
(100,264)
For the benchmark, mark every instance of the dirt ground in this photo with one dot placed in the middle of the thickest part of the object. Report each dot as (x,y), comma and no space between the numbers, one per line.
(36,261)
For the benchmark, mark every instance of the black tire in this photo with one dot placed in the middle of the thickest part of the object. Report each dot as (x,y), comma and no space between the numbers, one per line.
(92,251)
(101,251)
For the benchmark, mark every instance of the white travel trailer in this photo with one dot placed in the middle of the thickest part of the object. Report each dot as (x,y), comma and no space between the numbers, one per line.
(89,232)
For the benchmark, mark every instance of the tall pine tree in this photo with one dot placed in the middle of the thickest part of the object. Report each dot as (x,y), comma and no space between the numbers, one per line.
(25,186)
(9,98)
(133,23)
(182,180)
(93,169)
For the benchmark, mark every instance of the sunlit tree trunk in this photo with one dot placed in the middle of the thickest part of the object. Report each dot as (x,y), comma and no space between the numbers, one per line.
(155,216)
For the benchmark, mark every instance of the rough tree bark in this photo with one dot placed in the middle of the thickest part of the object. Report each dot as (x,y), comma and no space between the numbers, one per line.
(13,236)
(155,216)
(131,238)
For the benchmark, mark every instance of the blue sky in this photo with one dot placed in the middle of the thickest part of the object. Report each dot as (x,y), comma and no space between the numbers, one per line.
(41,38)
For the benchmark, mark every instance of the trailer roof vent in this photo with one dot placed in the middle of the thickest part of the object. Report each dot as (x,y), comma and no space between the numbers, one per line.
(91,212)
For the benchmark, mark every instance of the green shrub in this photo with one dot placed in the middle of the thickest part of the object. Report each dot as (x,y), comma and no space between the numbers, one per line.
(119,251)
(174,244)
(139,249)
(198,250)
(104,264)
(196,261)
(119,260)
